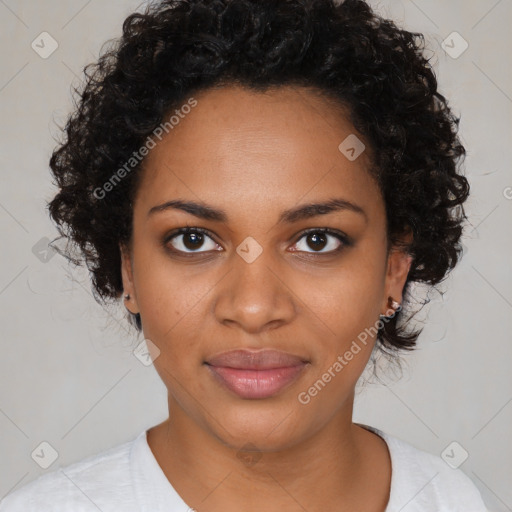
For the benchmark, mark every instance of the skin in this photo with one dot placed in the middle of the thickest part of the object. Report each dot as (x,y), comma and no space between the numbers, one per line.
(255,155)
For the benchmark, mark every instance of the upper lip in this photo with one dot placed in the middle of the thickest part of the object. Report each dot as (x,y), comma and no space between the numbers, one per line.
(264,359)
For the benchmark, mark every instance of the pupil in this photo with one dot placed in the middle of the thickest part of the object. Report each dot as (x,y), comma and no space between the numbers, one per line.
(197,240)
(318,239)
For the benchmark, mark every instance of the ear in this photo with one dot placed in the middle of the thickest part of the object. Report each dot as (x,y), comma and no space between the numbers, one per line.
(127,276)
(399,264)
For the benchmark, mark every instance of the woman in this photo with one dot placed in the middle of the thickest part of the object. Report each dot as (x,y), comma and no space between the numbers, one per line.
(262,181)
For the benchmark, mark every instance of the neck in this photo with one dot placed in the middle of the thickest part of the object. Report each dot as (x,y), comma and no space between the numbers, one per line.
(328,470)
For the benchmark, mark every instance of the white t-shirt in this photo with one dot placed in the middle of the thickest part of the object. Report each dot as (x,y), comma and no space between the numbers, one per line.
(128,478)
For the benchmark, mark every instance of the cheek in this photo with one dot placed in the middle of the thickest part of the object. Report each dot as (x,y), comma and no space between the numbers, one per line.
(162,296)
(347,298)
(347,305)
(171,304)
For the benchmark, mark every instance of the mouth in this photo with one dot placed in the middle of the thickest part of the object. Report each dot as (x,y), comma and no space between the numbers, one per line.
(256,374)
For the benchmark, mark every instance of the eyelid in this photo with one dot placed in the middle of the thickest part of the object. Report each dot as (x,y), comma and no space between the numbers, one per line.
(329,231)
(187,229)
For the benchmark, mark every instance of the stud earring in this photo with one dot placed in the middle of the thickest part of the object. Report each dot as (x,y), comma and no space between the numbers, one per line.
(127,296)
(393,304)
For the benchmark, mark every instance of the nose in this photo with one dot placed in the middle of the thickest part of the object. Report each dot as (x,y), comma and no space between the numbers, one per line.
(254,296)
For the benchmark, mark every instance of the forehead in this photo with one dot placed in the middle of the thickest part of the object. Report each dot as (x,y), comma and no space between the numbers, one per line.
(238,146)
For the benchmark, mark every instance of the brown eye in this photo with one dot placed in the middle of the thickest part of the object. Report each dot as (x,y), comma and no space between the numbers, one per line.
(190,240)
(322,241)
(316,241)
(193,241)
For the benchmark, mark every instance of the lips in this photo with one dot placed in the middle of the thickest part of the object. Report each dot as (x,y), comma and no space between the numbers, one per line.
(256,374)
(265,359)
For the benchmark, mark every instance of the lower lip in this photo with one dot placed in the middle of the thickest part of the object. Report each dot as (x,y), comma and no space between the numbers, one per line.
(256,383)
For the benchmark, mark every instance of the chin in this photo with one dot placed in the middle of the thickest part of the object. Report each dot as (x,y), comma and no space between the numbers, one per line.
(269,426)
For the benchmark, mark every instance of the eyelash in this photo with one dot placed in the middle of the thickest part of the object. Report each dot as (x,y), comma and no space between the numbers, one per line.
(345,240)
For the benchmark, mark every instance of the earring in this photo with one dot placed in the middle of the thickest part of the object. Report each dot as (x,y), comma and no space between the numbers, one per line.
(127,296)
(393,304)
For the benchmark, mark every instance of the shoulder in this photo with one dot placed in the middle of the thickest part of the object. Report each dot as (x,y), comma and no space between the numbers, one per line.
(423,482)
(101,481)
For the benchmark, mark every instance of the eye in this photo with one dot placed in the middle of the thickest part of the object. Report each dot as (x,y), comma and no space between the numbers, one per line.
(190,240)
(322,241)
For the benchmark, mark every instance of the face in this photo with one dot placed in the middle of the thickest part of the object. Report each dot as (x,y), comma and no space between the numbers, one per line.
(261,267)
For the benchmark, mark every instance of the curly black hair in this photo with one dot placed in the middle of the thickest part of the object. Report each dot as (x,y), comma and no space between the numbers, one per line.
(343,50)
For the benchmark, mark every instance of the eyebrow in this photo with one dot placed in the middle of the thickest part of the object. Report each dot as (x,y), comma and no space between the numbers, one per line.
(306,211)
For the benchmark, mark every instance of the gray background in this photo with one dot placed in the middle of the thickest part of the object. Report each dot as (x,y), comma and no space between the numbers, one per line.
(68,375)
